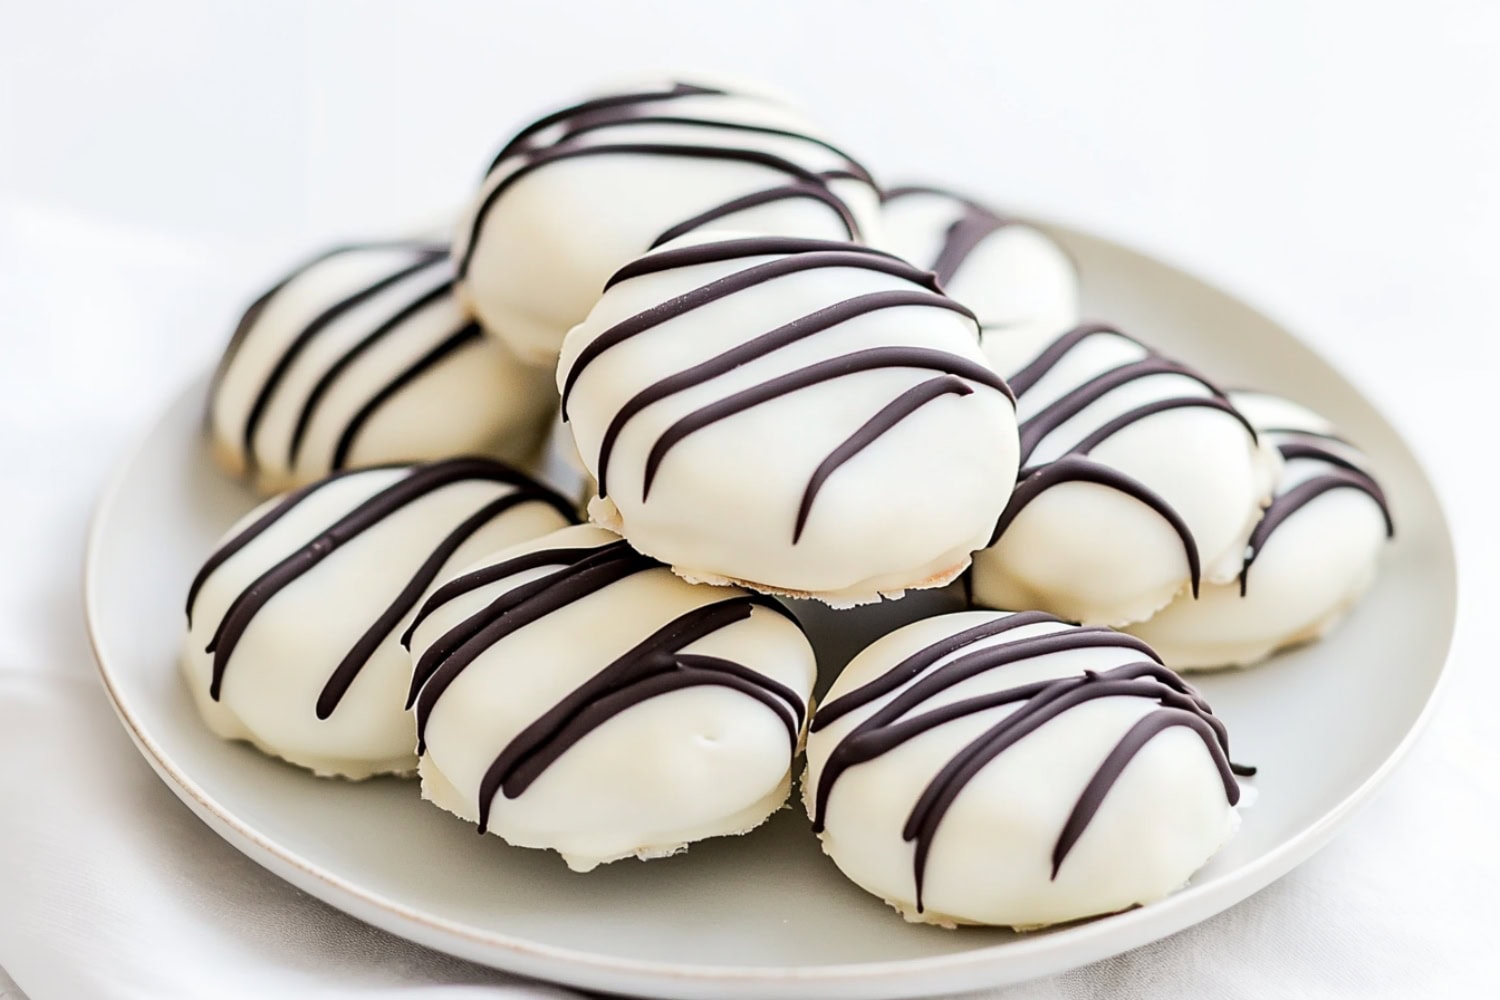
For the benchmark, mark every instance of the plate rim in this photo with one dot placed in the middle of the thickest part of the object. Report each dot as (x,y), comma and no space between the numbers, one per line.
(1035,956)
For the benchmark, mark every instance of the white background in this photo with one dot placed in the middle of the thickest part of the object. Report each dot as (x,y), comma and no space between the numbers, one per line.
(1338,164)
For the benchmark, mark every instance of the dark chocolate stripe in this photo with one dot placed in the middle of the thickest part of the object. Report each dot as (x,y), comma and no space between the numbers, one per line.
(802,258)
(785,192)
(1112,427)
(750,246)
(1022,381)
(922,659)
(305,336)
(754,157)
(1072,466)
(1077,469)
(459,339)
(960,240)
(1035,429)
(310,405)
(851,171)
(224,552)
(527,604)
(927,815)
(889,416)
(493,573)
(653,667)
(359,654)
(895,723)
(1299,496)
(880,733)
(785,335)
(1305,432)
(870,359)
(974,223)
(518,143)
(1134,740)
(252,312)
(578,560)
(1293,451)
(422,481)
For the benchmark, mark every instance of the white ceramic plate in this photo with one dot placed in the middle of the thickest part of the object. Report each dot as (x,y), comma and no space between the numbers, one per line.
(767,915)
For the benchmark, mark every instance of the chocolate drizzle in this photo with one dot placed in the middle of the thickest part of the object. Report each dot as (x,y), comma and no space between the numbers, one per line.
(892,414)
(420,263)
(785,192)
(782,336)
(655,666)
(522,142)
(420,482)
(869,359)
(1074,465)
(467,335)
(560,137)
(792,256)
(279,510)
(973,225)
(1339,473)
(801,255)
(925,676)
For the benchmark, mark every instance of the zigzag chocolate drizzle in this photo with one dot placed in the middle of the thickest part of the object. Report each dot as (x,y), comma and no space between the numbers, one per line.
(556,138)
(420,482)
(800,255)
(902,719)
(653,667)
(1074,465)
(423,260)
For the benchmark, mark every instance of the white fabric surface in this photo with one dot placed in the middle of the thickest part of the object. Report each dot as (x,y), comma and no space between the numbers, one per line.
(1339,165)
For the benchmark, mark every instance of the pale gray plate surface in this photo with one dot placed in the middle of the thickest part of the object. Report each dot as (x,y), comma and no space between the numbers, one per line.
(767,915)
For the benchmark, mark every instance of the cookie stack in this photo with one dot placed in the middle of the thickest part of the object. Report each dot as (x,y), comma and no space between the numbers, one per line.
(778,379)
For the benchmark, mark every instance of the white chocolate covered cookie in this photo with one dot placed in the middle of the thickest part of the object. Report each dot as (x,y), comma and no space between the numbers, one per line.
(1011,274)
(1309,559)
(798,416)
(1139,481)
(1012,769)
(579,193)
(572,694)
(294,621)
(363,356)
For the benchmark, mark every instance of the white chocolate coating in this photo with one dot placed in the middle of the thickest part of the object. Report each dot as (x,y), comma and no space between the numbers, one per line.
(1312,568)
(1099,555)
(292,647)
(1012,275)
(729,501)
(364,357)
(994,857)
(549,226)
(654,769)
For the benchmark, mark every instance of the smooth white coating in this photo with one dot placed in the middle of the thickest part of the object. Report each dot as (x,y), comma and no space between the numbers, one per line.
(1096,555)
(296,640)
(1015,278)
(991,859)
(692,763)
(904,512)
(1313,568)
(547,244)
(367,315)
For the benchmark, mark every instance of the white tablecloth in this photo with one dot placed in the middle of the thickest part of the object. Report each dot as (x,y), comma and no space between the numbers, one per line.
(1340,166)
